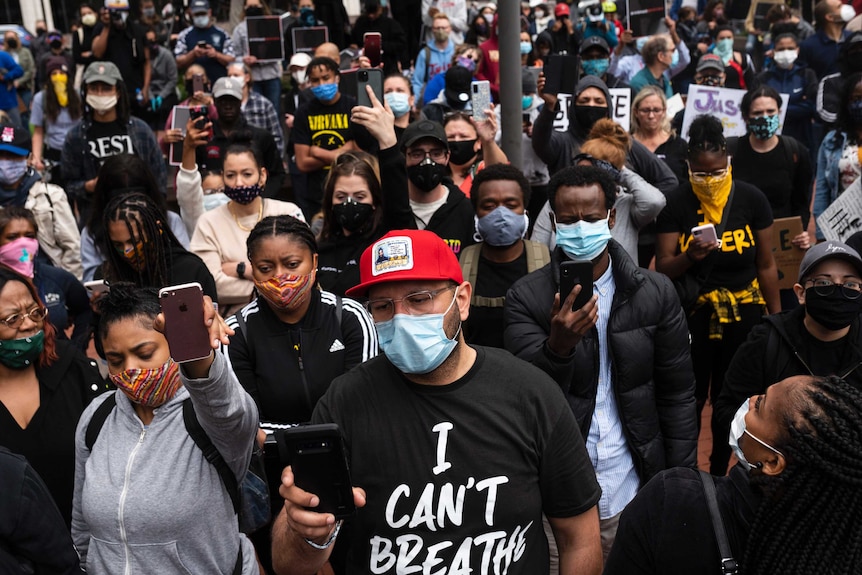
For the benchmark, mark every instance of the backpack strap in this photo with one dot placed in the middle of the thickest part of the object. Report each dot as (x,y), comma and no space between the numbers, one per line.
(537,257)
(205,444)
(98,420)
(729,565)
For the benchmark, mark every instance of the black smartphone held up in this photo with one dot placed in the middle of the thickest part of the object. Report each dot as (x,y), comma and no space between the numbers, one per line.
(372,42)
(574,273)
(319,462)
(561,74)
(372,77)
(188,337)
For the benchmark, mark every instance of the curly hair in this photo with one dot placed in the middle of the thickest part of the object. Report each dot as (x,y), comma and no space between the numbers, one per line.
(583,176)
(125,300)
(808,521)
(272,226)
(608,141)
(496,172)
(706,134)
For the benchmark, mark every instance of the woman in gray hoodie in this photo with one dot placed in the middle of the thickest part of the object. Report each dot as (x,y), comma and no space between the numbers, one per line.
(146,499)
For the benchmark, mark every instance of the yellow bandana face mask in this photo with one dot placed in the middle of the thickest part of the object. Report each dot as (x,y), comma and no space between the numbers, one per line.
(712,191)
(60,82)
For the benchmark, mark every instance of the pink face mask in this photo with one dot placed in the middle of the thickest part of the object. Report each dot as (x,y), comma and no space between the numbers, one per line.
(19,255)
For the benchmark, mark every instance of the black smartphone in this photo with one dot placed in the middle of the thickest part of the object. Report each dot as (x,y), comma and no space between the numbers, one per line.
(202,44)
(372,77)
(574,273)
(317,456)
(200,115)
(371,47)
(188,337)
(561,74)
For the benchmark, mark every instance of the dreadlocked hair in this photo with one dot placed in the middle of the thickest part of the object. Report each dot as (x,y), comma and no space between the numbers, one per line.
(124,301)
(144,221)
(272,226)
(808,521)
(706,134)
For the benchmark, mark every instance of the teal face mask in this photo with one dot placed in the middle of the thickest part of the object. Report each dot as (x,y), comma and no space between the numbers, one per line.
(526,102)
(584,240)
(596,67)
(526,47)
(21,353)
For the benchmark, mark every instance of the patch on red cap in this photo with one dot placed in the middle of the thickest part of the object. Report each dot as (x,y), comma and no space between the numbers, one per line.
(392,255)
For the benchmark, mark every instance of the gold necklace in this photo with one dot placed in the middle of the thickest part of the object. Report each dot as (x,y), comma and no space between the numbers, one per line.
(242,227)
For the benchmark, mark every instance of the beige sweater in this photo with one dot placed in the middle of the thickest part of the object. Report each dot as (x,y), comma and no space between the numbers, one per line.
(218,238)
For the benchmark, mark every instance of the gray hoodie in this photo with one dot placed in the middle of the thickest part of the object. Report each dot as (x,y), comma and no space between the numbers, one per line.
(147,501)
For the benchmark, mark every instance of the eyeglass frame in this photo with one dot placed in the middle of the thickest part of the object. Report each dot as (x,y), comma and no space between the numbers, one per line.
(392,301)
(427,154)
(828,288)
(701,176)
(41,309)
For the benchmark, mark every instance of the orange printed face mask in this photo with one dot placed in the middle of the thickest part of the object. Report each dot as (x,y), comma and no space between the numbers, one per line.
(150,387)
(286,291)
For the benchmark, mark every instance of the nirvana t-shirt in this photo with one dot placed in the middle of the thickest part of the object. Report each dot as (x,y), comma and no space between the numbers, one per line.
(734,264)
(325,126)
(485,325)
(107,139)
(457,476)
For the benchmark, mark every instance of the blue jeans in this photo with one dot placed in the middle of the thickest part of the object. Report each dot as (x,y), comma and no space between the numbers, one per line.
(271,90)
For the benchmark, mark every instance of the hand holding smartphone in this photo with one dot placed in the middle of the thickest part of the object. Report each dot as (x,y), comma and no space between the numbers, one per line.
(187,335)
(574,273)
(372,77)
(480,99)
(706,234)
(372,47)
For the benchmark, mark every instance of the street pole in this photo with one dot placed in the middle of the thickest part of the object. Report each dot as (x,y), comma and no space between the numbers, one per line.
(509,34)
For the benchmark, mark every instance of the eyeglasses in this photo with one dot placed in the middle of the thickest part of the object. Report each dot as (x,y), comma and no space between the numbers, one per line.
(825,287)
(437,154)
(650,111)
(211,191)
(36,315)
(700,177)
(418,303)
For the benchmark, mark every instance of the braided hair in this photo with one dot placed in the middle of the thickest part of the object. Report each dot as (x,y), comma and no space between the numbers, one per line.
(272,226)
(124,301)
(808,521)
(144,221)
(706,134)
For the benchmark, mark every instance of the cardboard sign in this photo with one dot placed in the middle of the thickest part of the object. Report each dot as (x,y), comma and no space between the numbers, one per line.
(646,17)
(621,107)
(843,217)
(179,119)
(265,38)
(723,103)
(787,256)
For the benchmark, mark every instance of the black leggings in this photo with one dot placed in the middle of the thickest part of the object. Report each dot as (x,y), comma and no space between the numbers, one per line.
(710,359)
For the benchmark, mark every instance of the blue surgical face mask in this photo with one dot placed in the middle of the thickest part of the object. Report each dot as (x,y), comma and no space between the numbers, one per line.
(417,344)
(640,43)
(502,227)
(737,430)
(12,170)
(202,21)
(398,102)
(596,67)
(674,60)
(325,92)
(584,240)
(526,47)
(526,102)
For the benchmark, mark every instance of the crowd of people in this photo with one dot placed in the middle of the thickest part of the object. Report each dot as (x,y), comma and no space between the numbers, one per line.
(387,268)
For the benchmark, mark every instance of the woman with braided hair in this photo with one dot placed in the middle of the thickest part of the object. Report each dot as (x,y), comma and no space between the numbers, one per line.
(791,505)
(139,247)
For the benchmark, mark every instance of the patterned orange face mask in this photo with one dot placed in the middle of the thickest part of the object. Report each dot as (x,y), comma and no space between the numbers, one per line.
(286,291)
(149,387)
(134,255)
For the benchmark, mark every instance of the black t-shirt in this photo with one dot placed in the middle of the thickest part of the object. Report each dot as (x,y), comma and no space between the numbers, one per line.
(126,50)
(325,126)
(485,325)
(107,139)
(823,357)
(457,476)
(673,153)
(734,264)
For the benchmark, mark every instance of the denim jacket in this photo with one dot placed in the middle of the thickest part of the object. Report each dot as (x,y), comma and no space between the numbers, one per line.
(827,183)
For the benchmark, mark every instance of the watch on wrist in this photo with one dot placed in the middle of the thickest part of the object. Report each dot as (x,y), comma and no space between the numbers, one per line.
(240,270)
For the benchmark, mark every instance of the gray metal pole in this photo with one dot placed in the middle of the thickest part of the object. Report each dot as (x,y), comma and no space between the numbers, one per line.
(509,31)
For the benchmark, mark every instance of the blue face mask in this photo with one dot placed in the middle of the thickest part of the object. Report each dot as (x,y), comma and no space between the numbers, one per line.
(502,227)
(763,127)
(325,92)
(584,240)
(417,344)
(640,43)
(674,60)
(526,47)
(724,49)
(398,102)
(596,67)
(526,102)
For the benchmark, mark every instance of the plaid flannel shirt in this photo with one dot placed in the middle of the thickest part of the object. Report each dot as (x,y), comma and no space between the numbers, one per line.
(725,305)
(260,112)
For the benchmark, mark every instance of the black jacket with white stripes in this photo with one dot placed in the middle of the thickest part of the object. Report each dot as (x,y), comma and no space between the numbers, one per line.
(287,368)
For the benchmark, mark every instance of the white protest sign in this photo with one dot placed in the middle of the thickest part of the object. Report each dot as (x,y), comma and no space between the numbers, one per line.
(843,217)
(621,104)
(723,103)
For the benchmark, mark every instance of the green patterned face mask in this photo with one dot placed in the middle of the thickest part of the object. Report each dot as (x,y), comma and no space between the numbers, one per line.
(21,353)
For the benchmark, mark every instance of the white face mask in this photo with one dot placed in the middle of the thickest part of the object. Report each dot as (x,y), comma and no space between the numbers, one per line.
(785,58)
(102,104)
(847,12)
(202,21)
(299,76)
(737,430)
(88,20)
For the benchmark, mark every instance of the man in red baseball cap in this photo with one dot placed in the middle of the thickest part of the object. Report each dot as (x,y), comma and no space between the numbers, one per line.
(456,451)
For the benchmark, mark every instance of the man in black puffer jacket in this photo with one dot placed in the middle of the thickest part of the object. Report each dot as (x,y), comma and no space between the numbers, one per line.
(622,358)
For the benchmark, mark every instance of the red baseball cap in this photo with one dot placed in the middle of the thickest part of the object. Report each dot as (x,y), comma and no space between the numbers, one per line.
(561,9)
(406,255)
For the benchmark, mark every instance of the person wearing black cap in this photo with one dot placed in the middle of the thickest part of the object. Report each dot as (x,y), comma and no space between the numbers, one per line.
(820,337)
(121,41)
(454,97)
(54,43)
(437,204)
(595,60)
(590,103)
(204,43)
